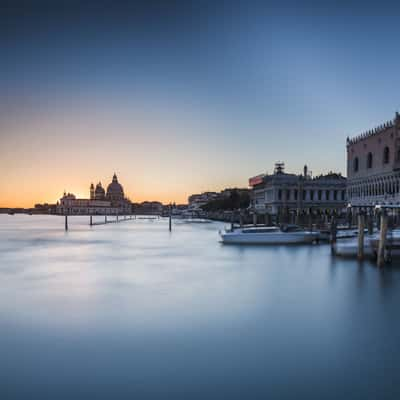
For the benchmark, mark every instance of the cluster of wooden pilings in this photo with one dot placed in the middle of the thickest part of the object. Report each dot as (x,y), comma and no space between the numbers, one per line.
(383,218)
(118,218)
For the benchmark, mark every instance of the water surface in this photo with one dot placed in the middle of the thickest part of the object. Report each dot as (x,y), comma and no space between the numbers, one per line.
(130,310)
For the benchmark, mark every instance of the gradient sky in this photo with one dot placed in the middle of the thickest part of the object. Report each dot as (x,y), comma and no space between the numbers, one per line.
(183,97)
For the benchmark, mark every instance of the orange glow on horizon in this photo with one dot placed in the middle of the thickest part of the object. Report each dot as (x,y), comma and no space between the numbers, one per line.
(51,197)
(52,149)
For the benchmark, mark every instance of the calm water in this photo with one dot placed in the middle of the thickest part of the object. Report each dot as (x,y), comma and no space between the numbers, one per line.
(132,311)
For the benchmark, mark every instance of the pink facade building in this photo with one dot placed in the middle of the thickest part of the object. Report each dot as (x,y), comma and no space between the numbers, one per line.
(373,165)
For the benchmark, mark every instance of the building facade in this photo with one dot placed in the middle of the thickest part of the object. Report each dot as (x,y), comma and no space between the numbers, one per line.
(196,201)
(282,192)
(373,165)
(148,208)
(112,202)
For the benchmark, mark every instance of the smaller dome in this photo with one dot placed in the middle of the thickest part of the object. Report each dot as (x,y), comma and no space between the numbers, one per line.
(99,188)
(99,193)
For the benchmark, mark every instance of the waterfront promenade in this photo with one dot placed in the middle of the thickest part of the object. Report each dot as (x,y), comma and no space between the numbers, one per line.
(132,310)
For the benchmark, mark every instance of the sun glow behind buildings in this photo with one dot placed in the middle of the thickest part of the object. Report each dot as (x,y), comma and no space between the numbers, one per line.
(198,101)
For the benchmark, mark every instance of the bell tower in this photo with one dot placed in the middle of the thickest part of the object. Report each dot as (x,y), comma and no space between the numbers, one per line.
(91,191)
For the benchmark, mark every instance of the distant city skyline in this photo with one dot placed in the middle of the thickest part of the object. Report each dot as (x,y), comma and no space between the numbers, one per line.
(186,97)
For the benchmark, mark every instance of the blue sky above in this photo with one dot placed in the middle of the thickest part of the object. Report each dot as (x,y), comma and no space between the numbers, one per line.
(209,93)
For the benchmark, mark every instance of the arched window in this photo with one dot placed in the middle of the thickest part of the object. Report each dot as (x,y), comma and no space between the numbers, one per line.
(369,160)
(355,164)
(386,155)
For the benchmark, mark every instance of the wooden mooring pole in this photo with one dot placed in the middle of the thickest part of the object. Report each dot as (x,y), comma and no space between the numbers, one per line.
(91,221)
(310,221)
(382,240)
(170,218)
(378,220)
(297,218)
(333,235)
(370,224)
(254,218)
(361,227)
(66,222)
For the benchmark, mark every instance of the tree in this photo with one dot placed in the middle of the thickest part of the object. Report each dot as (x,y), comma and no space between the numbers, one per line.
(237,199)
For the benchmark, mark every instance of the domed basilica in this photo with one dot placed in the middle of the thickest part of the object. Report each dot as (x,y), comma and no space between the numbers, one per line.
(113,202)
(115,192)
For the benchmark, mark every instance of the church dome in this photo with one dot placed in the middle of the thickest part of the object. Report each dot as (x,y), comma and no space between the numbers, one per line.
(115,189)
(99,193)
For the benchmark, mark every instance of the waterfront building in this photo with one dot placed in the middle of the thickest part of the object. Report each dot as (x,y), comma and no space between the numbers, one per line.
(112,202)
(196,201)
(373,165)
(284,192)
(226,193)
(148,208)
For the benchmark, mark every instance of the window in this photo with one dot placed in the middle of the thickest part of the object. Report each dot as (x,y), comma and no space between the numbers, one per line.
(386,155)
(279,194)
(355,164)
(295,194)
(369,160)
(335,195)
(311,195)
(319,195)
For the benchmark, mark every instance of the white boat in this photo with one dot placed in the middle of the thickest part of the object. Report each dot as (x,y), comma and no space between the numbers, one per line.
(340,234)
(287,234)
(195,221)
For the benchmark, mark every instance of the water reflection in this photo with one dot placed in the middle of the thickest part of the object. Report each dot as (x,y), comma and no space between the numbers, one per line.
(131,310)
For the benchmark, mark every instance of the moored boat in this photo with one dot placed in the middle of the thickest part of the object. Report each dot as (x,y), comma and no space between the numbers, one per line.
(286,234)
(340,234)
(195,221)
(349,247)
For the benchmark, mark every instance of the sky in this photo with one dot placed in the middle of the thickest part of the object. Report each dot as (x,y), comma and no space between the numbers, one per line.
(180,97)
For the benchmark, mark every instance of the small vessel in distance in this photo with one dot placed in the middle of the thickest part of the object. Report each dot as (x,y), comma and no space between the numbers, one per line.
(194,221)
(285,234)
